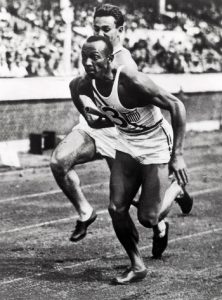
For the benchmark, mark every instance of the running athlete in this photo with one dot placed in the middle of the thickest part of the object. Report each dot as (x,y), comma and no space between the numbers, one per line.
(144,148)
(83,143)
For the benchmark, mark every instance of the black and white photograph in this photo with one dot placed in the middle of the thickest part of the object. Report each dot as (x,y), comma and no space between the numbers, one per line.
(111,150)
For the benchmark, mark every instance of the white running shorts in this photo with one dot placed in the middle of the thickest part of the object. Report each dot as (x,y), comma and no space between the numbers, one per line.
(105,138)
(153,147)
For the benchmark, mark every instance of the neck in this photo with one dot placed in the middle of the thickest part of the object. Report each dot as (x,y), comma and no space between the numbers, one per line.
(107,76)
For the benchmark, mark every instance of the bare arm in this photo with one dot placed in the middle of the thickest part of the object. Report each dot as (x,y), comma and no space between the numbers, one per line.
(178,119)
(150,93)
(81,96)
(74,90)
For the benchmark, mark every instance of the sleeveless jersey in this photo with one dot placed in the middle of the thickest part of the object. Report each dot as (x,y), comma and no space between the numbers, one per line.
(130,121)
(119,49)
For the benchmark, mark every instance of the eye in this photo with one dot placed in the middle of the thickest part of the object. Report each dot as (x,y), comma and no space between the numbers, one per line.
(96,57)
(96,29)
(106,29)
(84,57)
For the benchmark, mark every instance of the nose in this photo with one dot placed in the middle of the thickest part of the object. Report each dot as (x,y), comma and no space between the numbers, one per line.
(88,61)
(100,32)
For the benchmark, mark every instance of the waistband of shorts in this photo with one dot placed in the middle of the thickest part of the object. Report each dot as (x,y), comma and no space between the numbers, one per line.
(144,130)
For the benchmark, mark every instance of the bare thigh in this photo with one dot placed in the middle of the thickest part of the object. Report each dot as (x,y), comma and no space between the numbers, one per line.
(154,185)
(125,181)
(76,148)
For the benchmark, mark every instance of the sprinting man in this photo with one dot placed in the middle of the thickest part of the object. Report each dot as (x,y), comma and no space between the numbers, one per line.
(83,143)
(145,147)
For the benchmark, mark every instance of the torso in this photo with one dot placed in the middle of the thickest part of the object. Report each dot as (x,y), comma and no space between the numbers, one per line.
(122,56)
(116,101)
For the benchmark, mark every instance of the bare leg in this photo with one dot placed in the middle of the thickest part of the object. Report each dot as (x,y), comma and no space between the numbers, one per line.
(125,180)
(156,197)
(109,161)
(76,148)
(155,202)
(134,202)
(170,195)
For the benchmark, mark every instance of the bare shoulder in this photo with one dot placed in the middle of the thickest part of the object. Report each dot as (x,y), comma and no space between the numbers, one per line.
(80,84)
(139,81)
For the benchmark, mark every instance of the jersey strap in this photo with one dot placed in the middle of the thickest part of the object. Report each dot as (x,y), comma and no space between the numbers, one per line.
(99,98)
(120,120)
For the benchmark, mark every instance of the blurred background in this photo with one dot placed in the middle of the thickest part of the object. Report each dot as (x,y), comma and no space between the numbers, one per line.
(179,43)
(164,36)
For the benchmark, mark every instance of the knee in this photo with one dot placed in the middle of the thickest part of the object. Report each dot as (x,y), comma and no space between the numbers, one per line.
(148,220)
(62,170)
(59,163)
(56,163)
(117,211)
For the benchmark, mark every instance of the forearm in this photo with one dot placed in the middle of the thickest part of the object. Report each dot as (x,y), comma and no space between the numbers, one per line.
(99,123)
(178,117)
(96,119)
(95,122)
(177,111)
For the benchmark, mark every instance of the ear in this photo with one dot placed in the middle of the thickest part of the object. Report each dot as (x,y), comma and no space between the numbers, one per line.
(110,57)
(120,29)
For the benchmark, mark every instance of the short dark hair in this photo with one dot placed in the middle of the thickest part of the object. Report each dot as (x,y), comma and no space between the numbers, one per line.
(96,38)
(106,10)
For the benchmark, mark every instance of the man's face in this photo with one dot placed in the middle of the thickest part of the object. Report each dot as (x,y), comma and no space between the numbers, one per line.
(106,26)
(95,58)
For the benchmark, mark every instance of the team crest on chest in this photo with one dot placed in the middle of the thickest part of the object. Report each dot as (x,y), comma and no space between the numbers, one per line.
(132,116)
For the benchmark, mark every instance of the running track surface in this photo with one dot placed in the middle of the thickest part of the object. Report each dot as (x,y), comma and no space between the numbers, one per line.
(37,261)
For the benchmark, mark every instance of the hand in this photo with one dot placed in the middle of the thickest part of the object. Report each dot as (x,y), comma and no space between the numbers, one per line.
(178,167)
(94,112)
(96,119)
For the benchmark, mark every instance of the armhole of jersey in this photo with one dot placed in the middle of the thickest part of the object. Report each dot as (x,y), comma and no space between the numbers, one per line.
(116,80)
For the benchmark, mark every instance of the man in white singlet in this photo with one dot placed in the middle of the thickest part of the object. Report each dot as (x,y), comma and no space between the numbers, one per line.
(83,143)
(145,149)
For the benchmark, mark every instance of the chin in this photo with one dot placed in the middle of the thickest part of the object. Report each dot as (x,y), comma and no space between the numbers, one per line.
(91,75)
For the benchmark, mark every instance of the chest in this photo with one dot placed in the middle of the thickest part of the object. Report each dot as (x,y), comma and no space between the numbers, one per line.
(116,96)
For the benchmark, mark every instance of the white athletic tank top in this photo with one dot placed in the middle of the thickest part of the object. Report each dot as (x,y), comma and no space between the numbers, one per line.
(119,49)
(131,121)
